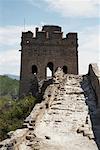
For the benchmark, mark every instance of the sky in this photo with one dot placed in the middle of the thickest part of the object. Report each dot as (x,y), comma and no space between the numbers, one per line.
(81,16)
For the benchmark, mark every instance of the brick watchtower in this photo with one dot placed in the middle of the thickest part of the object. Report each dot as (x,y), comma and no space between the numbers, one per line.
(49,49)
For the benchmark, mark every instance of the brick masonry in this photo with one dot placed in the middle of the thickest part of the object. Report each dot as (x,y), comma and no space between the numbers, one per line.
(47,48)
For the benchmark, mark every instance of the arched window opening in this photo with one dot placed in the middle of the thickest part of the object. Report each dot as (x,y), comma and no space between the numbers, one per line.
(49,70)
(34,69)
(65,69)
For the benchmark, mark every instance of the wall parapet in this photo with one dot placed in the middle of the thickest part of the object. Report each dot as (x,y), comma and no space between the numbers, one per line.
(94,75)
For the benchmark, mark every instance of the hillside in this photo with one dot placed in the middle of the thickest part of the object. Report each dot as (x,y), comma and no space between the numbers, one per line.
(12,112)
(8,87)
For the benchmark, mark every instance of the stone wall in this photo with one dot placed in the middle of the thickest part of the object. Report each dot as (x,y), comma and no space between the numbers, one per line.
(94,75)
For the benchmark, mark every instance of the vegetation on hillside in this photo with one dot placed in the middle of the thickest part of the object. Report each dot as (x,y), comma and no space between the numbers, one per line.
(8,87)
(13,113)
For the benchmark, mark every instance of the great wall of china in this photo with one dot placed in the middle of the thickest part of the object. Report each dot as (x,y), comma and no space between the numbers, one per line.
(67,118)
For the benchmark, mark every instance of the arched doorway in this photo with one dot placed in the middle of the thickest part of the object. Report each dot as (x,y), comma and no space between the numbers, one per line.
(49,70)
(34,69)
(65,69)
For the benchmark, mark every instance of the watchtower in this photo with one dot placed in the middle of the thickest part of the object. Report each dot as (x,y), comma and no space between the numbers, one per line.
(47,49)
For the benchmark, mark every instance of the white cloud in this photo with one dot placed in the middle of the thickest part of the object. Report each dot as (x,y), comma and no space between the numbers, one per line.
(10,62)
(72,8)
(35,3)
(89,47)
(11,35)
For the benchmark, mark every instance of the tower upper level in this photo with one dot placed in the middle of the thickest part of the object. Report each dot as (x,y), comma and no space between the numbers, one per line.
(49,34)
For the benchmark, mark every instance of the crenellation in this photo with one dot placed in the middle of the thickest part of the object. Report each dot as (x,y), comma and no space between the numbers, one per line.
(28,34)
(50,39)
(71,35)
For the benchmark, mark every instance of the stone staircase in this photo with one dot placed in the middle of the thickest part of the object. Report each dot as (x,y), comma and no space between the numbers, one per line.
(66,119)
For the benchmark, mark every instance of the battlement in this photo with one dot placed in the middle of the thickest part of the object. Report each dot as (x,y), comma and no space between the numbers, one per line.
(71,35)
(28,34)
(48,32)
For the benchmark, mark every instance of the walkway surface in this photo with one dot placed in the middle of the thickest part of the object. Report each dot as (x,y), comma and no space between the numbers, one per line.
(67,119)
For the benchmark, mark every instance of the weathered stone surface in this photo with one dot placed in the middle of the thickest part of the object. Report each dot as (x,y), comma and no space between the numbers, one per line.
(94,75)
(66,119)
(16,138)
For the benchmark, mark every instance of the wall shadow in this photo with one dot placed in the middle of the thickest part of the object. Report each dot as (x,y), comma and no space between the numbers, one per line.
(93,111)
(43,84)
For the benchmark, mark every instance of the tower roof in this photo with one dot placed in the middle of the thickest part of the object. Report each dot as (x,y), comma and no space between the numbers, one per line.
(51,28)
